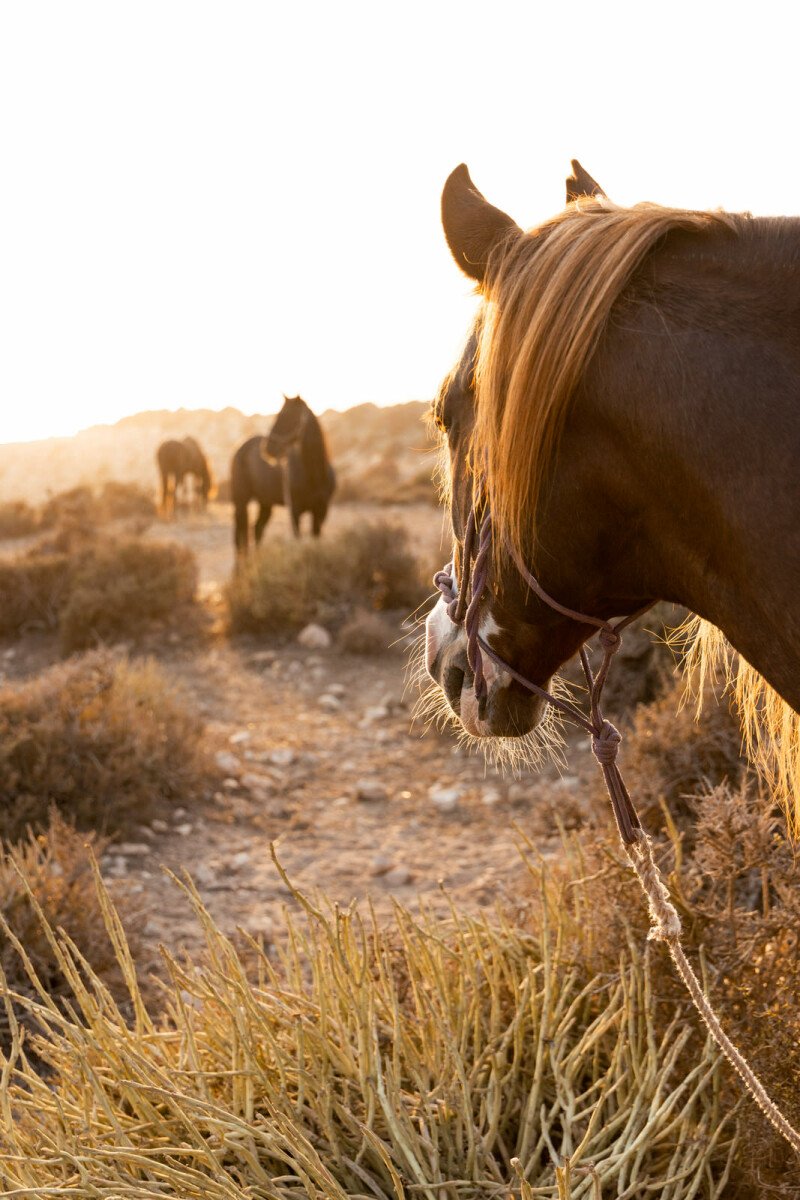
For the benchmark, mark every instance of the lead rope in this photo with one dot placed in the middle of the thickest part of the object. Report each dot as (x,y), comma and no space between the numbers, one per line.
(463,607)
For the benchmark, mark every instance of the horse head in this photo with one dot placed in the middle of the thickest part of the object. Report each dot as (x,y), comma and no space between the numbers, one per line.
(523,631)
(288,427)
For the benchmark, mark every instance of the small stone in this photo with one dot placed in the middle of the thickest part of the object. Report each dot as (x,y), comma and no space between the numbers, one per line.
(329,703)
(491,796)
(371,791)
(282,757)
(203,875)
(239,860)
(179,813)
(567,783)
(445,798)
(314,637)
(263,656)
(227,762)
(520,793)
(380,865)
(243,735)
(133,849)
(146,831)
(376,712)
(259,786)
(337,689)
(398,876)
(159,826)
(230,784)
(184,830)
(117,865)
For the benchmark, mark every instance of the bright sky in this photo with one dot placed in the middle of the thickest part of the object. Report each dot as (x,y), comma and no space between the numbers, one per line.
(204,204)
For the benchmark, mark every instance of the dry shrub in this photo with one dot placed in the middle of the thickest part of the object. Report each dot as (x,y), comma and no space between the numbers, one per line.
(669,754)
(118,587)
(383,483)
(17,519)
(93,590)
(366,633)
(86,506)
(121,501)
(290,583)
(47,881)
(33,589)
(735,879)
(369,1061)
(104,740)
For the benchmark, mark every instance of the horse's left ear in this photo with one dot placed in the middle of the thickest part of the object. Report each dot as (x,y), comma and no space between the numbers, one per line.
(473,227)
(580,183)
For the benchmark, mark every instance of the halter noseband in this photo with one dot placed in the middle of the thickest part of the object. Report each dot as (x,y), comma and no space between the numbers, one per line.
(464,608)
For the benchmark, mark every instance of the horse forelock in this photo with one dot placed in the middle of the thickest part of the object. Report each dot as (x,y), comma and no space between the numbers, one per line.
(547,300)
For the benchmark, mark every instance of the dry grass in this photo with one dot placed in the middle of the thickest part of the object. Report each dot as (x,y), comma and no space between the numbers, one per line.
(104,740)
(46,883)
(290,583)
(464,1058)
(90,506)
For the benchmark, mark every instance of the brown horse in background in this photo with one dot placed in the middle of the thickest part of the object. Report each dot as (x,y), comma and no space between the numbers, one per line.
(176,460)
(628,404)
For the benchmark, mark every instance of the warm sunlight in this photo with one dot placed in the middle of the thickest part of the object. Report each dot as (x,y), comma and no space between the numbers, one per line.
(207,205)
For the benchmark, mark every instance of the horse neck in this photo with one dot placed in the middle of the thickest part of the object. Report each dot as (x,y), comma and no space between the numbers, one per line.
(694,429)
(312,445)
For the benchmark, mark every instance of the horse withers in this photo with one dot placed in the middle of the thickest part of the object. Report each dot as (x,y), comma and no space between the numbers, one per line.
(290,466)
(176,461)
(627,409)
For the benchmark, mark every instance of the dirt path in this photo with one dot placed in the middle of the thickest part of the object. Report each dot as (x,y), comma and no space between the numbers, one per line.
(321,758)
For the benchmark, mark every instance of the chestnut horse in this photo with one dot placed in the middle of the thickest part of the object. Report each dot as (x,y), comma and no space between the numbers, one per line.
(628,403)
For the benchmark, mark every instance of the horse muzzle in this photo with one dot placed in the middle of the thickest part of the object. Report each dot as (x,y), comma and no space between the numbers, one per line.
(507,710)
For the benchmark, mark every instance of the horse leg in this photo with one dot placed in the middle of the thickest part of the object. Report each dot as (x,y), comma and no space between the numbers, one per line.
(317,517)
(295,519)
(264,514)
(240,529)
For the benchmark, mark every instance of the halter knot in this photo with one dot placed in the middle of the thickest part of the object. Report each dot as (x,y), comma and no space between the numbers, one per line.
(609,639)
(444,581)
(605,744)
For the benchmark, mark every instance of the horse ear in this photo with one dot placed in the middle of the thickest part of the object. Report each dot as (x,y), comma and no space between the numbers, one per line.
(473,227)
(580,183)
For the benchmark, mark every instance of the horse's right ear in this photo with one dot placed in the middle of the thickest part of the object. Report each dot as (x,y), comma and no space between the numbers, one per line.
(580,183)
(473,227)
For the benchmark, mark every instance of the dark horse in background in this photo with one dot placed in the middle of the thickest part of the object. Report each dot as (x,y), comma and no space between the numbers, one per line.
(176,460)
(290,466)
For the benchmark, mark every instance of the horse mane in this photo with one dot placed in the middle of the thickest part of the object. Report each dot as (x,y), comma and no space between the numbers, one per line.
(548,297)
(314,443)
(193,446)
(770,727)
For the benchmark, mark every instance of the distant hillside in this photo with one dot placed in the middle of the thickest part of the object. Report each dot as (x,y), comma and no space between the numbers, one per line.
(371,447)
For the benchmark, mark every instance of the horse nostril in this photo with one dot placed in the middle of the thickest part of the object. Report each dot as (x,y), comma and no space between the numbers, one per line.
(452,683)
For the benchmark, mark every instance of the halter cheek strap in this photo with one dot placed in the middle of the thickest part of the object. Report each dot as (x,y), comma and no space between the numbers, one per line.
(463,608)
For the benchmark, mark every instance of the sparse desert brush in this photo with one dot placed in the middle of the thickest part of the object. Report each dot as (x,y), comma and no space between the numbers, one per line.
(466,1057)
(118,586)
(105,741)
(47,881)
(33,590)
(118,501)
(17,519)
(669,753)
(734,875)
(383,483)
(366,633)
(94,589)
(289,583)
(74,505)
